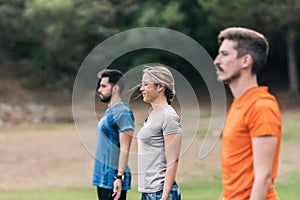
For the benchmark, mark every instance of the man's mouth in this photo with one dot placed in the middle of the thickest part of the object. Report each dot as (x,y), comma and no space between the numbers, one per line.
(219,69)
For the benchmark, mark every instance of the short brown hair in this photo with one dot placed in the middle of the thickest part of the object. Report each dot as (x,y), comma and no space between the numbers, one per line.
(248,42)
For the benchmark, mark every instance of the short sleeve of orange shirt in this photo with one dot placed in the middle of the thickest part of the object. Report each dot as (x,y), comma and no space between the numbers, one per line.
(264,119)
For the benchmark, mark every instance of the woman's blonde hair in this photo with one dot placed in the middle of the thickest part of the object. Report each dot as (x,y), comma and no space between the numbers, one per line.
(162,76)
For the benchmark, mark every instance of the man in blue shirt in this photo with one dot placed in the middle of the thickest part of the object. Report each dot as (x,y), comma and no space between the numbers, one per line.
(114,134)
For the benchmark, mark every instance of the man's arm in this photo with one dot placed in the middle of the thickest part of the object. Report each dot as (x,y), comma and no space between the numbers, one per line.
(125,142)
(172,151)
(264,149)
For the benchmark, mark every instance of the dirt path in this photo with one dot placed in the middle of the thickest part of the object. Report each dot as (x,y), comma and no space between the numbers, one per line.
(43,159)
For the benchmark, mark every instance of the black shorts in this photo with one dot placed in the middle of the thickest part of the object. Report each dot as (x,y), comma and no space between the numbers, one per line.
(106,194)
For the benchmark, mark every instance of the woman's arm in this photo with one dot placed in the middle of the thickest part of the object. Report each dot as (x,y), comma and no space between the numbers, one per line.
(172,151)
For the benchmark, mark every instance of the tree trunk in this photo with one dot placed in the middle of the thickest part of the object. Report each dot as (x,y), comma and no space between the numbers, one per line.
(292,65)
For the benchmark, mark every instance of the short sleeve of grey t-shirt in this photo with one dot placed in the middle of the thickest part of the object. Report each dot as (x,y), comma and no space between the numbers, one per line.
(151,151)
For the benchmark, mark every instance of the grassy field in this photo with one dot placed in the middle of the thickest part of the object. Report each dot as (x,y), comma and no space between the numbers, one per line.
(66,172)
(290,128)
(190,191)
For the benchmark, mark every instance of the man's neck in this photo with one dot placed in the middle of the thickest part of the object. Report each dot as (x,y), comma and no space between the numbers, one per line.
(240,86)
(114,100)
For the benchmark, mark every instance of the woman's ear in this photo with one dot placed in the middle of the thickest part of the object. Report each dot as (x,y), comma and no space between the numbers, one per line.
(161,88)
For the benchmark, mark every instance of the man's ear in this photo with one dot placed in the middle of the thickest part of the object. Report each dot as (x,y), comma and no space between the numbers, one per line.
(247,61)
(115,88)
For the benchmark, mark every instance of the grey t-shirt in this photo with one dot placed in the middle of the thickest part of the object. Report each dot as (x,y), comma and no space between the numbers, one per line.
(152,162)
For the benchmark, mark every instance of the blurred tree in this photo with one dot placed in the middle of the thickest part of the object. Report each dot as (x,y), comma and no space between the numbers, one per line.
(10,16)
(273,15)
(51,38)
(184,16)
(284,15)
(50,26)
(61,33)
(161,14)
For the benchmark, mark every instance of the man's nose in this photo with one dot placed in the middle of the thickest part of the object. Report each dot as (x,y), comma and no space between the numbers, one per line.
(217,60)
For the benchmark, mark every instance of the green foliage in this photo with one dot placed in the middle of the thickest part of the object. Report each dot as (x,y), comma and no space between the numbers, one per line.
(52,38)
(10,16)
(267,16)
(284,13)
(65,32)
(232,12)
(158,14)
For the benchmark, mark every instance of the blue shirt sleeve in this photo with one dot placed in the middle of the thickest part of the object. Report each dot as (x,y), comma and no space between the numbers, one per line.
(125,121)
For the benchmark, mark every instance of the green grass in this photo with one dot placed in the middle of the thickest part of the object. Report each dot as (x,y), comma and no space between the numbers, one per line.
(290,129)
(133,194)
(196,190)
(288,190)
(51,194)
(193,190)
(190,191)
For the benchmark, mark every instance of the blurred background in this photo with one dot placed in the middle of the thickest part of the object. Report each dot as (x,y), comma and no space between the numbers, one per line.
(44,42)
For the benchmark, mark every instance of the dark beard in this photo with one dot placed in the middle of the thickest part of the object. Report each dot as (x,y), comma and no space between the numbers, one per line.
(106,99)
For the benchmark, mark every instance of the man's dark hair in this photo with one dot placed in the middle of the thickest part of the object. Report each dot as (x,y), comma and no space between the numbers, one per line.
(248,42)
(115,77)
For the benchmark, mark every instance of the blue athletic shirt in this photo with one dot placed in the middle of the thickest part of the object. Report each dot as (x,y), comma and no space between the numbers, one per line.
(115,120)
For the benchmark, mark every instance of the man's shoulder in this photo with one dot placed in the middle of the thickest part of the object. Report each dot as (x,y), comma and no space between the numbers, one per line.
(265,100)
(121,107)
(261,98)
(264,106)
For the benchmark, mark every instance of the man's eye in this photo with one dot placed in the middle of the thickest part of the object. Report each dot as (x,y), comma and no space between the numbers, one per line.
(224,53)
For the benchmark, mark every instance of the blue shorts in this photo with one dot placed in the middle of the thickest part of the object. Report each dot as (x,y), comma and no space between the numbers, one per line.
(174,194)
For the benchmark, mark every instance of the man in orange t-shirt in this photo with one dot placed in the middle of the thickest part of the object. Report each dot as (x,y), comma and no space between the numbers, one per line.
(252,132)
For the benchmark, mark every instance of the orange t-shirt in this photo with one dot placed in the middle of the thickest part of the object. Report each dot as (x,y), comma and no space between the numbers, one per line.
(256,113)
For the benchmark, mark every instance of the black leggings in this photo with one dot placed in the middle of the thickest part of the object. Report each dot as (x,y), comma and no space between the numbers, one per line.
(106,194)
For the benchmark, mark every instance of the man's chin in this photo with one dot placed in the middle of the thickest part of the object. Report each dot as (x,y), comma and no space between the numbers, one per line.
(222,80)
(105,100)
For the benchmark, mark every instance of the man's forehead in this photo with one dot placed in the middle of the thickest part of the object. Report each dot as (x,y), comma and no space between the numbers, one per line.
(228,45)
(104,80)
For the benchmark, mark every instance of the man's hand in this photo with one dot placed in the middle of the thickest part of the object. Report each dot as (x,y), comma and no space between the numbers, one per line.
(117,189)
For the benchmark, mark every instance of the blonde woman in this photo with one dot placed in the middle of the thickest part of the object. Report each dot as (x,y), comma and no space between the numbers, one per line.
(159,139)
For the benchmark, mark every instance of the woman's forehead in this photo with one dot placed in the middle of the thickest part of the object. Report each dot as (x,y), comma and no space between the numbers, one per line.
(147,77)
